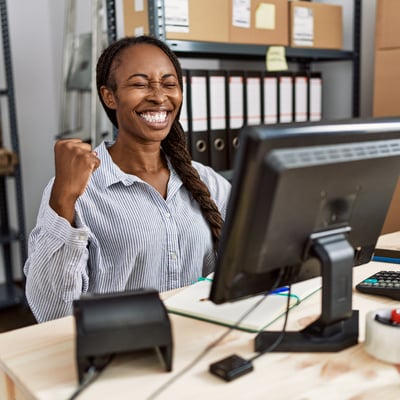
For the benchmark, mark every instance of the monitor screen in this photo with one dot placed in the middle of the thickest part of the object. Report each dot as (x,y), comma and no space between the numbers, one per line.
(307,200)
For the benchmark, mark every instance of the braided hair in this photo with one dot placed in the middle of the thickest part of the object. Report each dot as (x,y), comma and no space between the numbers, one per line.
(174,145)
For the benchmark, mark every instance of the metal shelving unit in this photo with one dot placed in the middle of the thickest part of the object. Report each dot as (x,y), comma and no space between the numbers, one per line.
(303,56)
(10,294)
(232,51)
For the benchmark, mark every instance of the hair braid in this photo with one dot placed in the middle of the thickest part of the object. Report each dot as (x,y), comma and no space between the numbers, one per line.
(174,145)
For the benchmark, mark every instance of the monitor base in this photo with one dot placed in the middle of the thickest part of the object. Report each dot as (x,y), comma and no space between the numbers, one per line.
(312,338)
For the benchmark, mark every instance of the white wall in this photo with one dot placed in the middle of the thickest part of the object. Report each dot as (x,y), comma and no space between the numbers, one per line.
(32,27)
(36,32)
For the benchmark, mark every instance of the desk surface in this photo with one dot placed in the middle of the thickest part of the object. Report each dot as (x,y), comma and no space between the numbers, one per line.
(38,362)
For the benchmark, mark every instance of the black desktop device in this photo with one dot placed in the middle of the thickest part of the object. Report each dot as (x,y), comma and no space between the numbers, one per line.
(115,323)
(308,199)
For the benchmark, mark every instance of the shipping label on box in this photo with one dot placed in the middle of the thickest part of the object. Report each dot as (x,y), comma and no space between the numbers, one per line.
(176,15)
(241,13)
(303,26)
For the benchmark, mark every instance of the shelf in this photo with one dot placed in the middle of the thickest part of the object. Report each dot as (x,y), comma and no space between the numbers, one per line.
(10,295)
(186,48)
(9,237)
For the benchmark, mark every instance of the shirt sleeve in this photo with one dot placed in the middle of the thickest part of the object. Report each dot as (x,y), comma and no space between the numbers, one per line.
(56,268)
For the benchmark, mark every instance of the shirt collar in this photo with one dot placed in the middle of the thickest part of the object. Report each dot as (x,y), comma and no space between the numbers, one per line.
(112,174)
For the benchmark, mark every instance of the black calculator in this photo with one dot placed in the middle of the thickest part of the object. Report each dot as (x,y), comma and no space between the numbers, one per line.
(382,283)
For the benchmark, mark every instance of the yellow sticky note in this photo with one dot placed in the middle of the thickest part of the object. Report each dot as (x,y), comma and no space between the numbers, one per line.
(275,59)
(265,16)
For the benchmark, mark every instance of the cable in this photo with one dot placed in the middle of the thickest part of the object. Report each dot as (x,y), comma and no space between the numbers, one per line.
(205,351)
(90,376)
(215,342)
(279,339)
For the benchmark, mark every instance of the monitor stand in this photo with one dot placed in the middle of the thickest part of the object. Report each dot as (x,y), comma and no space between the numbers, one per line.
(337,326)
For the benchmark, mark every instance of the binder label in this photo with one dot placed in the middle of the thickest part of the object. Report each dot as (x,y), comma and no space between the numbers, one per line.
(217,102)
(253,86)
(199,103)
(270,100)
(315,99)
(183,119)
(235,102)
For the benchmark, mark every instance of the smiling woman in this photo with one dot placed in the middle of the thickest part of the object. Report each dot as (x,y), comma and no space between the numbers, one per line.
(133,213)
(145,102)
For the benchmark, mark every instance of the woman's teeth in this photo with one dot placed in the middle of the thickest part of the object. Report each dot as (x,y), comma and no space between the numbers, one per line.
(154,116)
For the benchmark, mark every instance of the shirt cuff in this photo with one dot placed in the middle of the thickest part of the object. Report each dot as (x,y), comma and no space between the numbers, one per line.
(60,228)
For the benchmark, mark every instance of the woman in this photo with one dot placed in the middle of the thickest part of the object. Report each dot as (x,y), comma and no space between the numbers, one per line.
(133,213)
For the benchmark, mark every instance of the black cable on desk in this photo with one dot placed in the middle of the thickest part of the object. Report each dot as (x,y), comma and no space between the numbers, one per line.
(219,339)
(279,339)
(90,376)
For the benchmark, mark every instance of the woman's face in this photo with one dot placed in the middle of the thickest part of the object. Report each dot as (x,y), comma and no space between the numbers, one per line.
(147,96)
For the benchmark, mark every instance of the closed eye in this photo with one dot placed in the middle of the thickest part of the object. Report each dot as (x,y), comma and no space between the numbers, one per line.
(170,85)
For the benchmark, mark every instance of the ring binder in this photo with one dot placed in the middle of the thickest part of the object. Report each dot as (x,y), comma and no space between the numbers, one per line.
(236,111)
(270,98)
(315,96)
(198,115)
(285,95)
(253,97)
(217,112)
(301,113)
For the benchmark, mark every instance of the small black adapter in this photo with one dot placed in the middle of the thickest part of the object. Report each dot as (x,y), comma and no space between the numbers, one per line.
(231,367)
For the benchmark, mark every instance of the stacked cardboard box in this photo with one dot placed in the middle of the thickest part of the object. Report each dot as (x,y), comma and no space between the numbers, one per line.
(268,22)
(386,100)
(315,25)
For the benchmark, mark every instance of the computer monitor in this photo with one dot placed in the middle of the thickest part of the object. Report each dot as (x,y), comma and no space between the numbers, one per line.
(307,199)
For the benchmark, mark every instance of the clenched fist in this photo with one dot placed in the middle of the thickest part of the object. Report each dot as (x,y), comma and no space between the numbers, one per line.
(75,161)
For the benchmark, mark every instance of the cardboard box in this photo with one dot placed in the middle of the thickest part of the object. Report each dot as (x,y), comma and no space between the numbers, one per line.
(315,25)
(265,23)
(392,220)
(205,20)
(386,101)
(387,29)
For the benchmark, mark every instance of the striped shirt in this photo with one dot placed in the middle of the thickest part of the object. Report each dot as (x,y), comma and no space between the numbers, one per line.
(127,236)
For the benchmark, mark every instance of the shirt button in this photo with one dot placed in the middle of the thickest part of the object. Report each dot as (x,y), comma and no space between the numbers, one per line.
(82,236)
(168,215)
(173,255)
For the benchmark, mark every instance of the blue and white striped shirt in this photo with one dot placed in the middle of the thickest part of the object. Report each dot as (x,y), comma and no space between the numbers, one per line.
(127,236)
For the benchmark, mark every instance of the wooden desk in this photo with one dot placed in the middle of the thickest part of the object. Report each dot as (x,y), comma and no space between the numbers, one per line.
(38,362)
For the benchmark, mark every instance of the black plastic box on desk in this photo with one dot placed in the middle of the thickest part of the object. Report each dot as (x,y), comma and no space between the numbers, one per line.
(108,324)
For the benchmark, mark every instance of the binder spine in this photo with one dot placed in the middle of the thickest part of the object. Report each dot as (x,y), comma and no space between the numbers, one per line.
(217,121)
(183,118)
(270,98)
(236,111)
(197,115)
(315,96)
(218,103)
(285,97)
(252,94)
(301,91)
